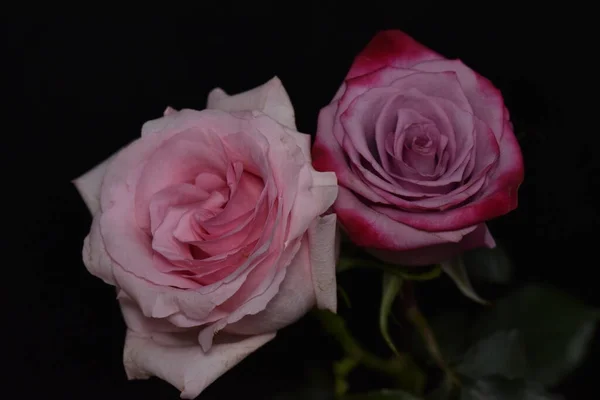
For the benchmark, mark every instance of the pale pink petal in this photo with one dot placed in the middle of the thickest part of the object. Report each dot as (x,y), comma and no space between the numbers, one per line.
(88,185)
(295,298)
(322,237)
(169,110)
(95,257)
(259,289)
(180,194)
(316,193)
(303,141)
(270,98)
(177,161)
(188,368)
(137,322)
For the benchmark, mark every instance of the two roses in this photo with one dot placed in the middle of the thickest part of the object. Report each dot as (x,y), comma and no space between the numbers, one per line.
(214,225)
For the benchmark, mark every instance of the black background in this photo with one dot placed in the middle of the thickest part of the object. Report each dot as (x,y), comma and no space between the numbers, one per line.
(81,86)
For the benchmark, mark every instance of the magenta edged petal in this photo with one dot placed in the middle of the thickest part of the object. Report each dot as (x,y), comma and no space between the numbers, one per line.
(486,100)
(328,155)
(369,228)
(479,237)
(390,48)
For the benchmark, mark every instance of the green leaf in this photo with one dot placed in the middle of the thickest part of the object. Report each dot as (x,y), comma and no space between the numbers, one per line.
(383,395)
(391,287)
(501,354)
(488,265)
(556,329)
(455,268)
(505,389)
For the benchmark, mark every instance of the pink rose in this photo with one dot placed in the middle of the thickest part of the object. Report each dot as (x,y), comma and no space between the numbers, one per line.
(210,227)
(423,150)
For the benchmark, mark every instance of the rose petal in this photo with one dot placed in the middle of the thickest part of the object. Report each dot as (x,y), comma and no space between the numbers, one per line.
(294,298)
(497,197)
(88,185)
(485,99)
(181,194)
(480,237)
(270,98)
(95,258)
(260,288)
(324,245)
(316,193)
(178,160)
(329,156)
(390,48)
(374,181)
(369,228)
(188,368)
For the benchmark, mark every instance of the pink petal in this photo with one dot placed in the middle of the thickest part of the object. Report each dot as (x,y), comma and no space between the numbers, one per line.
(328,155)
(369,228)
(88,185)
(131,248)
(324,245)
(188,368)
(172,196)
(169,110)
(164,242)
(316,193)
(480,237)
(390,48)
(95,258)
(261,286)
(178,160)
(295,298)
(486,100)
(498,197)
(137,322)
(270,98)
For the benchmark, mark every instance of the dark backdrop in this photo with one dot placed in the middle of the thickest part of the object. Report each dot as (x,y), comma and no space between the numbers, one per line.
(81,86)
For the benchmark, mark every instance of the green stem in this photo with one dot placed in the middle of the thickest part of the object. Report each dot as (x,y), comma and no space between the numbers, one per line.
(414,315)
(401,368)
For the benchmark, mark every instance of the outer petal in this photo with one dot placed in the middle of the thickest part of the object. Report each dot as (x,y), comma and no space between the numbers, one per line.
(88,185)
(324,244)
(188,368)
(390,48)
(329,156)
(95,257)
(480,237)
(369,228)
(498,197)
(294,298)
(486,100)
(270,98)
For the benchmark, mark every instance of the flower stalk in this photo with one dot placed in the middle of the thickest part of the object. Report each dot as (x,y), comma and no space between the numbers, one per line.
(401,368)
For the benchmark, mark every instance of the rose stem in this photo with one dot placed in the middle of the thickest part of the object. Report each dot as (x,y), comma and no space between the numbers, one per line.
(402,367)
(415,316)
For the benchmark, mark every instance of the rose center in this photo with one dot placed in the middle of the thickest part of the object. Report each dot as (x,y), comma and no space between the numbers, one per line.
(420,145)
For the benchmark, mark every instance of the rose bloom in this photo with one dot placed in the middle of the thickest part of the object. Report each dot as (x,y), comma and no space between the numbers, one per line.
(423,150)
(210,227)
